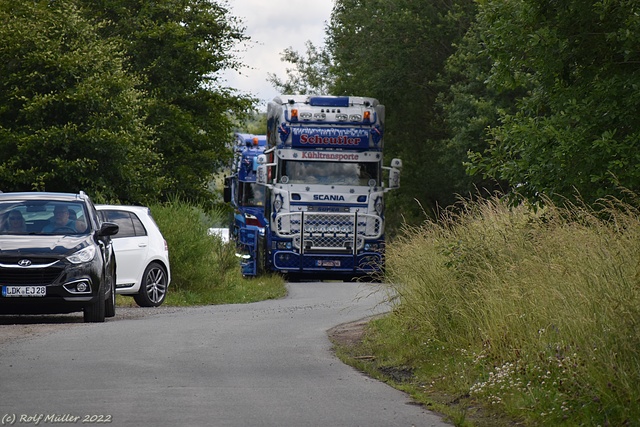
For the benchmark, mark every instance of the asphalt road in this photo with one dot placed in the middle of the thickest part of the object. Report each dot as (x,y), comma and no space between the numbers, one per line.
(261,364)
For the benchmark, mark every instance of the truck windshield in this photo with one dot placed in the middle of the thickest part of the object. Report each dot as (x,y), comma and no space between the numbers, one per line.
(331,173)
(250,194)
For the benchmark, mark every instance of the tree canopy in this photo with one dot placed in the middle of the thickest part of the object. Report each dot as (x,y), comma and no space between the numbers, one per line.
(117,98)
(575,129)
(71,118)
(531,97)
(177,48)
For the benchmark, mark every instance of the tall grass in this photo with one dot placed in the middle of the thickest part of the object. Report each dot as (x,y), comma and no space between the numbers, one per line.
(204,269)
(534,313)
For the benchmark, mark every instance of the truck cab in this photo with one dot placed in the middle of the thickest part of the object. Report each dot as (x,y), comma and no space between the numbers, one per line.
(323,170)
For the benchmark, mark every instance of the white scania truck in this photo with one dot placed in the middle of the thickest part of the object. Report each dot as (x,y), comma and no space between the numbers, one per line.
(323,173)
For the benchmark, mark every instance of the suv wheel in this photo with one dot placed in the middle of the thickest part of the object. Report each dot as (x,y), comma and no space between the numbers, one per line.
(110,304)
(96,311)
(153,288)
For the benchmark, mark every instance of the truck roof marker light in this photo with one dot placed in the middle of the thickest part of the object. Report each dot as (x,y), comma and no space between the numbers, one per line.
(329,101)
(255,141)
(367,116)
(294,114)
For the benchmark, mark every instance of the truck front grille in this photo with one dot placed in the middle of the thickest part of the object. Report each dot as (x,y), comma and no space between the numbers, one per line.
(328,232)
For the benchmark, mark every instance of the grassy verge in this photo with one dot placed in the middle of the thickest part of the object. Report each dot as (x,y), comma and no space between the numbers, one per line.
(204,270)
(510,316)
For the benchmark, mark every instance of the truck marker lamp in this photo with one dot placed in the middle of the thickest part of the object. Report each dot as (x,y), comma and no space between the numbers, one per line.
(371,246)
(367,116)
(294,114)
(252,220)
(378,205)
(284,245)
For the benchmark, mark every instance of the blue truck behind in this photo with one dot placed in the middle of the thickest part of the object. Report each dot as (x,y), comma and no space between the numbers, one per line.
(247,198)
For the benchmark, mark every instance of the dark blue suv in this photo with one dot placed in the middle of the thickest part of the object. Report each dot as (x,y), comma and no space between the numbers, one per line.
(56,256)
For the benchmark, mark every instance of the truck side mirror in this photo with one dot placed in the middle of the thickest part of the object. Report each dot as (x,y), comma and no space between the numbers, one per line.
(226,193)
(394,178)
(394,174)
(261,174)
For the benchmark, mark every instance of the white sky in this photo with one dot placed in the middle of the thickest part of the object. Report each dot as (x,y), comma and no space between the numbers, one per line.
(273,26)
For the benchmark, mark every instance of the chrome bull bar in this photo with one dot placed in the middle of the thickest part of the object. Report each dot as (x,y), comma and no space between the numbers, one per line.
(325,232)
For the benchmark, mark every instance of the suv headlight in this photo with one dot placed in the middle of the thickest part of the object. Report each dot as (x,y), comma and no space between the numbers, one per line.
(83,255)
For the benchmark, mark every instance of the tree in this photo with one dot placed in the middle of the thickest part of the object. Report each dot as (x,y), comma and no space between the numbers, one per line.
(396,52)
(70,117)
(471,108)
(177,47)
(576,127)
(310,73)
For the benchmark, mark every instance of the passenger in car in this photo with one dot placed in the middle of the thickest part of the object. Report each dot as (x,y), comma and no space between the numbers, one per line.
(62,222)
(14,223)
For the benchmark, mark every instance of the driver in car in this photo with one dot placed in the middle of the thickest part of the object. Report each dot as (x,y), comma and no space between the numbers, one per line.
(61,221)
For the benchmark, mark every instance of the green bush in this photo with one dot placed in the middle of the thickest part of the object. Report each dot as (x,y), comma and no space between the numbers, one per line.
(205,270)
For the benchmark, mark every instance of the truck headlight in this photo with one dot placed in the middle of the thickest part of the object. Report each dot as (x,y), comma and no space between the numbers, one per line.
(378,206)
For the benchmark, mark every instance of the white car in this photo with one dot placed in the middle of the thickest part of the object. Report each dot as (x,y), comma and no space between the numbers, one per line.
(142,254)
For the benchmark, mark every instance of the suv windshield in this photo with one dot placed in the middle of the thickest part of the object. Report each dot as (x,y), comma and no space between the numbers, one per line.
(42,217)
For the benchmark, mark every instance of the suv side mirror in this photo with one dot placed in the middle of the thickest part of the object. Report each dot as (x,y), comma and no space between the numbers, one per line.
(108,229)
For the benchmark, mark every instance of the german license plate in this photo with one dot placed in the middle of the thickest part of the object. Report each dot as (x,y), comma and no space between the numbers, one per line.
(328,263)
(24,291)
